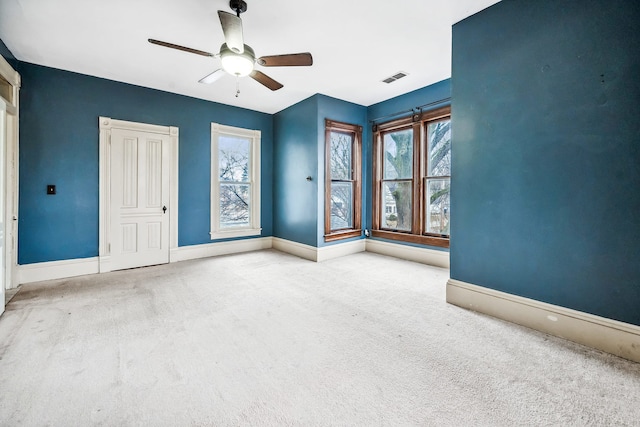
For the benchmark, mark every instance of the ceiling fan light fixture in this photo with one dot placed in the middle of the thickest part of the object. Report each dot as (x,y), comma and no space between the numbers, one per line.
(237,64)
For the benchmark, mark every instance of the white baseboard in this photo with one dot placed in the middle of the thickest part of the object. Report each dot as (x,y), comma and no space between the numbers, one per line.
(184,253)
(323,253)
(294,248)
(341,249)
(410,253)
(612,336)
(77,267)
(28,273)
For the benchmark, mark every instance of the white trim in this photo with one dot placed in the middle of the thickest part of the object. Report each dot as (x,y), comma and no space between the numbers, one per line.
(174,133)
(12,76)
(236,232)
(28,273)
(11,198)
(254,228)
(38,272)
(410,253)
(185,253)
(11,173)
(612,336)
(106,124)
(319,254)
(341,249)
(294,248)
(3,222)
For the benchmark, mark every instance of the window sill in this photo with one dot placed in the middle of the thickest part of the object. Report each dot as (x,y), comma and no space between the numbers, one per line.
(339,235)
(230,234)
(442,242)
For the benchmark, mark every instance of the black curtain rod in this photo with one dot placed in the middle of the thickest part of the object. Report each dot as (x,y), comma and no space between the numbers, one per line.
(413,110)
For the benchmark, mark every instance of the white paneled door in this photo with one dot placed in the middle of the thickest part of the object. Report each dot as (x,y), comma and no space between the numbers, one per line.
(140,191)
(3,145)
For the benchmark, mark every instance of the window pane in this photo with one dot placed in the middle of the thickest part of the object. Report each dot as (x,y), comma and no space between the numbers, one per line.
(437,203)
(341,205)
(398,154)
(396,205)
(439,134)
(234,205)
(233,158)
(341,144)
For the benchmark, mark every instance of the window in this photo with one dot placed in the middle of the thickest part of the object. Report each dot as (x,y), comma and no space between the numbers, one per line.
(235,182)
(412,178)
(438,177)
(343,189)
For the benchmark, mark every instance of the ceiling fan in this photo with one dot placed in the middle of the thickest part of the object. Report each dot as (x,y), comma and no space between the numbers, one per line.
(239,59)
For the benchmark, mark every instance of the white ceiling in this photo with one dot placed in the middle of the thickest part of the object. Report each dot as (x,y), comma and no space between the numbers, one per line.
(355,44)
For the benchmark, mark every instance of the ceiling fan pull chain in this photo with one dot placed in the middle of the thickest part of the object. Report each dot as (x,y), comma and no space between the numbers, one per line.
(237,86)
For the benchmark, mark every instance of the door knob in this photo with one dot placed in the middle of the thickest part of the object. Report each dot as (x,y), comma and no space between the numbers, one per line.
(164,209)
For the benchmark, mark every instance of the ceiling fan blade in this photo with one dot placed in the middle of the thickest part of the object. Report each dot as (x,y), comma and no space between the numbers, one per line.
(291,60)
(232,29)
(210,78)
(265,80)
(182,48)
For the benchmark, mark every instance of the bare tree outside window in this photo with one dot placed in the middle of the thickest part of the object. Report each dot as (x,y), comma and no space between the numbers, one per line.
(412,178)
(341,177)
(342,183)
(235,187)
(438,177)
(397,179)
(235,182)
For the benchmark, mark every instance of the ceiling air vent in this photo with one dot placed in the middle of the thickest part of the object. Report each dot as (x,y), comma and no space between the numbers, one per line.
(398,75)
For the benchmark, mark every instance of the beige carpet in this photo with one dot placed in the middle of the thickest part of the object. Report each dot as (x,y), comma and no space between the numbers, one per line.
(268,339)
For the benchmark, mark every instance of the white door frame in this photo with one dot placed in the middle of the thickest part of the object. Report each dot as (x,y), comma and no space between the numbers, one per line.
(10,193)
(3,225)
(106,125)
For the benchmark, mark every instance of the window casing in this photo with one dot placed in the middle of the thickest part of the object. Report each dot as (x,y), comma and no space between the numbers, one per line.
(235,182)
(412,177)
(343,180)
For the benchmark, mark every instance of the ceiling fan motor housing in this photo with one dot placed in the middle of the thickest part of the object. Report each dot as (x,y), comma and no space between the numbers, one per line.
(238,64)
(238,6)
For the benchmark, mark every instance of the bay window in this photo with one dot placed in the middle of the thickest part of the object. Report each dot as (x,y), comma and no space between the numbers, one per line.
(412,178)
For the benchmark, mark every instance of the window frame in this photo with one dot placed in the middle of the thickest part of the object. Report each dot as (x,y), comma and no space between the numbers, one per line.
(418,123)
(254,227)
(356,179)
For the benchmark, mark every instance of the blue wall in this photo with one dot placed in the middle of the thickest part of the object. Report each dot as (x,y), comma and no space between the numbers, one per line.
(400,104)
(295,200)
(59,113)
(299,152)
(6,54)
(546,153)
(437,94)
(346,112)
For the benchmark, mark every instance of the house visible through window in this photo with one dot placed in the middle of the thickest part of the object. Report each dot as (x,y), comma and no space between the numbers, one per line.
(343,190)
(412,178)
(235,182)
